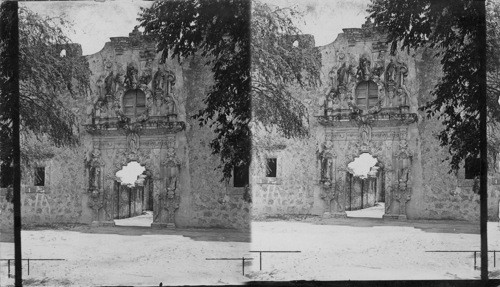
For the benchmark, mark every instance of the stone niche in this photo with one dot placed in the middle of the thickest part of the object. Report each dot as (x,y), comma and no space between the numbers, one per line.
(134,116)
(368,108)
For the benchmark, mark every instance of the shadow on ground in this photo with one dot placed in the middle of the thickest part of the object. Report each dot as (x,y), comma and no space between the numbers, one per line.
(197,234)
(434,226)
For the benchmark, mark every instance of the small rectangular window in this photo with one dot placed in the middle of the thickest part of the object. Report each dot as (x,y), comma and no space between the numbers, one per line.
(271,167)
(472,168)
(40,176)
(240,176)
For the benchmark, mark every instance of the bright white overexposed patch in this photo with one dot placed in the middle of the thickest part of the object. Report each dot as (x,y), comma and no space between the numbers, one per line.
(63,53)
(362,165)
(129,174)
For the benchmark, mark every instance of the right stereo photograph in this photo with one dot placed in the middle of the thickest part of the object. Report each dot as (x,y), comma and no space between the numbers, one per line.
(366,140)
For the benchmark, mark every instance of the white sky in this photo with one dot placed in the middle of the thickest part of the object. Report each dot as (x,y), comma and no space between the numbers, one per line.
(325,19)
(129,174)
(361,165)
(94,22)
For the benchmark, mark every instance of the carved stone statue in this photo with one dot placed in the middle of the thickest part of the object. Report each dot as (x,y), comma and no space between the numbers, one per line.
(365,134)
(133,143)
(120,80)
(342,75)
(101,86)
(378,69)
(170,105)
(403,96)
(402,73)
(172,180)
(159,80)
(390,72)
(146,77)
(150,103)
(110,86)
(390,98)
(109,109)
(331,77)
(364,68)
(170,82)
(131,79)
(94,170)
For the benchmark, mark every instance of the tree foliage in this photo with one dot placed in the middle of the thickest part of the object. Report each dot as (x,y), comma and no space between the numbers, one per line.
(246,54)
(48,85)
(7,81)
(493,78)
(277,66)
(451,28)
(49,81)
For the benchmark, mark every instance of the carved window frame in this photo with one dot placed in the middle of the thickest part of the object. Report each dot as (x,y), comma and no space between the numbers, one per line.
(136,113)
(371,86)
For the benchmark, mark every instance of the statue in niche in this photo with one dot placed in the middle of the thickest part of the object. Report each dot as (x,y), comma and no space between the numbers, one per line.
(170,105)
(326,161)
(133,143)
(365,134)
(159,81)
(331,77)
(98,108)
(403,96)
(171,184)
(390,73)
(131,79)
(343,75)
(146,77)
(95,170)
(344,101)
(109,83)
(120,80)
(378,69)
(332,101)
(170,82)
(364,68)
(402,73)
(101,86)
(109,109)
(389,98)
(326,167)
(152,107)
(89,114)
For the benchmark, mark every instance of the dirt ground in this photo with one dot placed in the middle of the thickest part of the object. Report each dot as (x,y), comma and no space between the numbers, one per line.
(330,249)
(369,249)
(128,255)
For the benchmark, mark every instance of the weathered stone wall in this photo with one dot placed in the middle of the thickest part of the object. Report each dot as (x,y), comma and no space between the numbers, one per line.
(438,194)
(60,201)
(295,190)
(209,203)
(435,193)
(204,200)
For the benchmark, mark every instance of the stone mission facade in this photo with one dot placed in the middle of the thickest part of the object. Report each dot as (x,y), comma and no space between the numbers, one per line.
(138,110)
(368,103)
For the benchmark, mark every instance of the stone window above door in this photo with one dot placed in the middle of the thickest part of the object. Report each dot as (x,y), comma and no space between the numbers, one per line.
(134,103)
(366,95)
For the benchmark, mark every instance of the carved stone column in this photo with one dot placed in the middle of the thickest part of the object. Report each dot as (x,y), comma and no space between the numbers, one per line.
(167,197)
(332,183)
